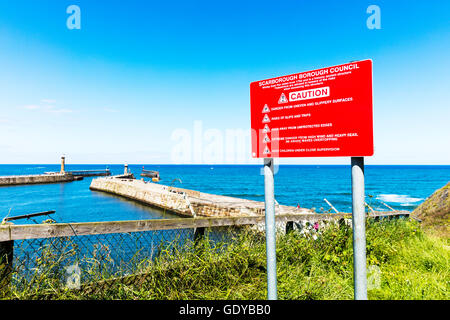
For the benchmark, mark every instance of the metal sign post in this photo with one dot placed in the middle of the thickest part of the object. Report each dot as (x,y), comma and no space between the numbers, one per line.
(359,229)
(270,229)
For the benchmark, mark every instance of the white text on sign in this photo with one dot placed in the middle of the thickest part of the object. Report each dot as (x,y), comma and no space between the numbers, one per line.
(309,94)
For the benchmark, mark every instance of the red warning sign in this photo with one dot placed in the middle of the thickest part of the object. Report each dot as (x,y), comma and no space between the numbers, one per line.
(320,113)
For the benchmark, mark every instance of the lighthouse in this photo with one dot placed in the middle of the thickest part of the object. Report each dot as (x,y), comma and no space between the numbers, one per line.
(63,164)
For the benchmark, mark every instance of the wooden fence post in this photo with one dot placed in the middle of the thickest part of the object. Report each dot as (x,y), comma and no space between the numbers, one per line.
(199,233)
(289,226)
(6,265)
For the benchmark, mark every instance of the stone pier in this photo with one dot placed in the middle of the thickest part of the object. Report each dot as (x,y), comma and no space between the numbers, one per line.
(186,202)
(36,179)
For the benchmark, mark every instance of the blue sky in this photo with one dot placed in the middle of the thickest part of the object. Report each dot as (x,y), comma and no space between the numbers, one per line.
(137,71)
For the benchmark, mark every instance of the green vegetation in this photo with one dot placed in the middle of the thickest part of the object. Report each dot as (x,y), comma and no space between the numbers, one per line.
(413,265)
(435,211)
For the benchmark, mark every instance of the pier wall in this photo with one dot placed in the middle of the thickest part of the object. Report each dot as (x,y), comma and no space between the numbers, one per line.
(148,193)
(186,202)
(35,179)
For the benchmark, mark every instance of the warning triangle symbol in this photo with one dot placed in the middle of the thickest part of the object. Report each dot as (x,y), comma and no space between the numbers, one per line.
(266,108)
(266,138)
(283,98)
(266,118)
(266,129)
(266,150)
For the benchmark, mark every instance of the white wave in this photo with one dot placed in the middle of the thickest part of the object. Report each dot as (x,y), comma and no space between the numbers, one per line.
(402,199)
(409,204)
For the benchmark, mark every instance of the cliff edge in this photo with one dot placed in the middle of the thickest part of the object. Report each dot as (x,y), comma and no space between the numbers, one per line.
(435,210)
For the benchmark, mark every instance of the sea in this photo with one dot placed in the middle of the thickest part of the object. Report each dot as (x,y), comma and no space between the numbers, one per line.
(400,187)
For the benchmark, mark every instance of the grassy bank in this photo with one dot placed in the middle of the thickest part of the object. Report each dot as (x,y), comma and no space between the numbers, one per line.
(404,263)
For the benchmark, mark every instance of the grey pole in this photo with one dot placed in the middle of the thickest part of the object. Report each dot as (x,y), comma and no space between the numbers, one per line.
(359,229)
(270,229)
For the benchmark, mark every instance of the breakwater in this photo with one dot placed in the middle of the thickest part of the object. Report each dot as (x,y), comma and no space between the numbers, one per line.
(36,179)
(186,202)
(90,173)
(53,177)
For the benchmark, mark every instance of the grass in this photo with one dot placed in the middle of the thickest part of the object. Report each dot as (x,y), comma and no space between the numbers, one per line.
(407,263)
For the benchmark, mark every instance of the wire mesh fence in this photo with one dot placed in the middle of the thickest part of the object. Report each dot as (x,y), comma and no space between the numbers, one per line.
(47,262)
(98,256)
(97,261)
